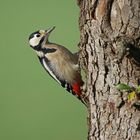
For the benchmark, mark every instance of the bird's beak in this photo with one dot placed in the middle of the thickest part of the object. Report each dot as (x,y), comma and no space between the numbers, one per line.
(48,31)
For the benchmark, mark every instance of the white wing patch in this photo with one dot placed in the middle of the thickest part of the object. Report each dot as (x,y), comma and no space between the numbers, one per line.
(49,71)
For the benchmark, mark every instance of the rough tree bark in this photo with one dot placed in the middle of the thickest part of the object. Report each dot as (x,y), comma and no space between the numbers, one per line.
(110,42)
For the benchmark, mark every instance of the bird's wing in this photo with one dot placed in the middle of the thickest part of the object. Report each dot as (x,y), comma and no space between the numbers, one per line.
(48,68)
(74,89)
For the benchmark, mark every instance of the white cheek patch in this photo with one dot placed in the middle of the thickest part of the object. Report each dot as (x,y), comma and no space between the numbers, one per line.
(34,41)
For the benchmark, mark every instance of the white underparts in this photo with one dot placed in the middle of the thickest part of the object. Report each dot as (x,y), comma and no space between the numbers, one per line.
(40,53)
(49,71)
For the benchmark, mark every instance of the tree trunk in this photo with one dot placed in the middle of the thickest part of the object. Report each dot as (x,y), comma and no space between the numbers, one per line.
(110,38)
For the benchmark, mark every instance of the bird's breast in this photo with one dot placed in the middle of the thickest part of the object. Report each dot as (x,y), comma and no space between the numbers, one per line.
(62,67)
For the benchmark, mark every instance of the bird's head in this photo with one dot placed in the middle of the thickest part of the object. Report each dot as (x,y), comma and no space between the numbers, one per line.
(39,37)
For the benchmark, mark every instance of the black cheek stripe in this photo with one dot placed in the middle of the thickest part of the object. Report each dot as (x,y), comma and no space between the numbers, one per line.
(48,50)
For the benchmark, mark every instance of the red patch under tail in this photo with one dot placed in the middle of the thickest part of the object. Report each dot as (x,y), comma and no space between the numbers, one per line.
(77,89)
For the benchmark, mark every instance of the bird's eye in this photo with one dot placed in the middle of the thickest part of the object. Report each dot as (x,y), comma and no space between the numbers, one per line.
(38,35)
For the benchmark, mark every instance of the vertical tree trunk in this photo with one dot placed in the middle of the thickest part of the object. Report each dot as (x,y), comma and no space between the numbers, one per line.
(110,38)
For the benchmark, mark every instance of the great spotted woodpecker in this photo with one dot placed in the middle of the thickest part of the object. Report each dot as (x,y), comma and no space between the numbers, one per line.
(58,61)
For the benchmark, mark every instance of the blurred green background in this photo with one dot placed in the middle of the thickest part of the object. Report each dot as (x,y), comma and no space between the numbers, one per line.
(32,105)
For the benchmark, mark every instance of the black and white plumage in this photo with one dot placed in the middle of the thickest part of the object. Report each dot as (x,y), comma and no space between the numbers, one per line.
(58,61)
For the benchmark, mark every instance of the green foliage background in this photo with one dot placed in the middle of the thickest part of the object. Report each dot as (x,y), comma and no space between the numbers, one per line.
(32,105)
